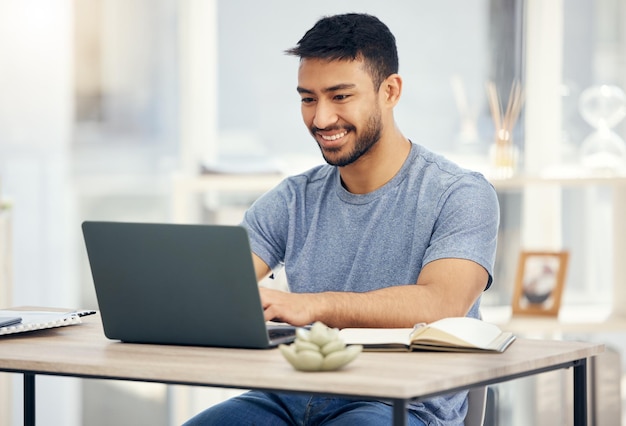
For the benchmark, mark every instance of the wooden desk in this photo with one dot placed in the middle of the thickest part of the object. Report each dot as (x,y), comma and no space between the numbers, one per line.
(83,351)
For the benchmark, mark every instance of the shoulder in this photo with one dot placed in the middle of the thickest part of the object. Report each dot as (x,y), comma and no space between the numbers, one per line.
(318,173)
(318,176)
(293,189)
(436,170)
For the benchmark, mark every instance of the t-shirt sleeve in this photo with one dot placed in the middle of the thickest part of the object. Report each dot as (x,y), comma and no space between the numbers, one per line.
(467,225)
(267,223)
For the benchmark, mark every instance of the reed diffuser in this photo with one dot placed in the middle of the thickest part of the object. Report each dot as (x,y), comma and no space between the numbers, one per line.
(503,153)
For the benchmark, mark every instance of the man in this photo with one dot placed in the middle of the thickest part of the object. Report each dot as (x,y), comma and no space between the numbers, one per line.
(387,234)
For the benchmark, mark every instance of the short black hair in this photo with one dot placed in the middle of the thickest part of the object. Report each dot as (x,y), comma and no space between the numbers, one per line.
(352,36)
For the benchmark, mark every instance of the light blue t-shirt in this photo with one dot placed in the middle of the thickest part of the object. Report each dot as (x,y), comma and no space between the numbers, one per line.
(329,239)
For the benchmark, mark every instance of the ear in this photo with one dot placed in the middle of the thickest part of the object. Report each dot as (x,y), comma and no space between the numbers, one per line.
(391,90)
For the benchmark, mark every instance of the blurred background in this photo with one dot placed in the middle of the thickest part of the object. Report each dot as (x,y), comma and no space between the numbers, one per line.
(107,108)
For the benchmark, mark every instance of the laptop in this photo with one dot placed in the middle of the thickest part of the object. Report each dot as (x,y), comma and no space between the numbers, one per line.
(178,284)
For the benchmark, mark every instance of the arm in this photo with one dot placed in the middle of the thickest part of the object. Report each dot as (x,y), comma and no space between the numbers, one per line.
(450,272)
(445,287)
(260,267)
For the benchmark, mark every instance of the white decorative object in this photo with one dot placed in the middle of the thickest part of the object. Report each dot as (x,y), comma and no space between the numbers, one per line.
(603,151)
(503,153)
(319,349)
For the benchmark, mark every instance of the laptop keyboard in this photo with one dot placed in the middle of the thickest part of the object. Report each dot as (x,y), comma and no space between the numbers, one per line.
(281,332)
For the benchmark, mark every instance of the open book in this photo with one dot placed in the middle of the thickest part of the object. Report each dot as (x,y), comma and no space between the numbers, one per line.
(460,334)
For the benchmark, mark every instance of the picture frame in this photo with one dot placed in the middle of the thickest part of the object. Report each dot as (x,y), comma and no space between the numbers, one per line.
(539,282)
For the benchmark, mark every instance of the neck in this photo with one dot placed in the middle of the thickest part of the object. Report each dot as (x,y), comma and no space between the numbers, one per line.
(378,166)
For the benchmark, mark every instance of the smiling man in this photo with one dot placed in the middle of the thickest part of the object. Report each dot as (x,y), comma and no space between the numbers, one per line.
(387,234)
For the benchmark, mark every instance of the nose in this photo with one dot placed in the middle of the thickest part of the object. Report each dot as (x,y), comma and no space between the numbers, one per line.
(325,115)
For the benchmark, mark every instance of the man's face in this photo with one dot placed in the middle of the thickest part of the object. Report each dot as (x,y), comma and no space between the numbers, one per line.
(340,107)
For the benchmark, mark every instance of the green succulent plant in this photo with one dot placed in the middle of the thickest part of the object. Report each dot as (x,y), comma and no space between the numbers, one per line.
(319,349)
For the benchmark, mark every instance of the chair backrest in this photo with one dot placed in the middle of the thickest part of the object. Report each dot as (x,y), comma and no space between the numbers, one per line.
(477,404)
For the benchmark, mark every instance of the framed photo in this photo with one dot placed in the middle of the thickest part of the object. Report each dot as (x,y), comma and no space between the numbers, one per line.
(539,283)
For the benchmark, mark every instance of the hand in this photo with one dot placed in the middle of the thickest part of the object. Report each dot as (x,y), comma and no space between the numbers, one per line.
(292,308)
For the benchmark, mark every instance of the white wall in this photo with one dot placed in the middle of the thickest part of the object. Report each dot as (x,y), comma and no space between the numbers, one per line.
(36,115)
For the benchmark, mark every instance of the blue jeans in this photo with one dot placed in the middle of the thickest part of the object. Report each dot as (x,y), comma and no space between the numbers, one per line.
(263,408)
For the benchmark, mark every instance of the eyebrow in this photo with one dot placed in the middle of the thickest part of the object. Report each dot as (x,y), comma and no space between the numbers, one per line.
(341,86)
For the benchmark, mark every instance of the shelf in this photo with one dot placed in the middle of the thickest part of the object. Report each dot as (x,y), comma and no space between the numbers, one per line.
(184,186)
(585,320)
(520,182)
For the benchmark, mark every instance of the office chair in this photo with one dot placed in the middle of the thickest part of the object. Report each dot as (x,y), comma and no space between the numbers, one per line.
(477,404)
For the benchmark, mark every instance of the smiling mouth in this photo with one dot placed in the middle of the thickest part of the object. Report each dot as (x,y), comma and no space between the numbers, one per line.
(334,137)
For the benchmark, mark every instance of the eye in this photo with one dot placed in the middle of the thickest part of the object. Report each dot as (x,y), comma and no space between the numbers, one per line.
(307,100)
(341,97)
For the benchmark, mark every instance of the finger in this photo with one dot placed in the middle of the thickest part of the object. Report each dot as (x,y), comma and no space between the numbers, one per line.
(270,314)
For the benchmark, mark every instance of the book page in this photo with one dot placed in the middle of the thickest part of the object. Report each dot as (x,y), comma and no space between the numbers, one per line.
(461,331)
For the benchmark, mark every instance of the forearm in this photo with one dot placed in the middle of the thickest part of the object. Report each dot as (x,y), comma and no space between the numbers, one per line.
(445,288)
(399,306)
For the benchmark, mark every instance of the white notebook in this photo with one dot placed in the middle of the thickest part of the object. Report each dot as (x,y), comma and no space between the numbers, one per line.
(37,320)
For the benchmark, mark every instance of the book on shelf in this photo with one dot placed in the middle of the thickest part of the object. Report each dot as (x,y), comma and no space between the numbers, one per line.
(21,321)
(454,334)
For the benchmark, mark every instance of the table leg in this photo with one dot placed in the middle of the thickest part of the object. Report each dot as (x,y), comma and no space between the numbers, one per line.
(400,412)
(580,393)
(29,399)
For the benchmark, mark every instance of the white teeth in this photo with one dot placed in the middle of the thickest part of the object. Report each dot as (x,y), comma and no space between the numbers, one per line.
(334,137)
